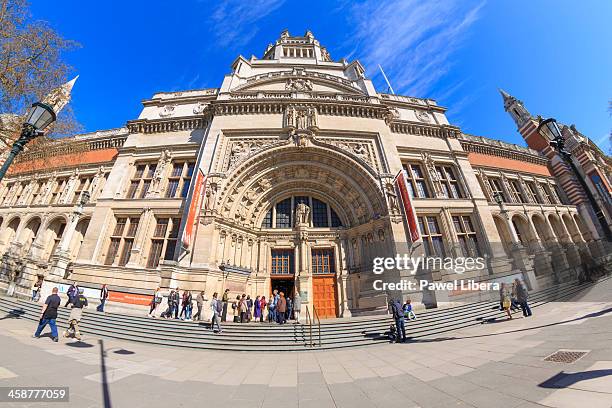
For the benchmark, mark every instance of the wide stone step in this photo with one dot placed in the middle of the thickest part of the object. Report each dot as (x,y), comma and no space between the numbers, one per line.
(264,337)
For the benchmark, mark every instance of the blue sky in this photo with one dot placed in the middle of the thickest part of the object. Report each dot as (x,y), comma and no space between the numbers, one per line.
(556,56)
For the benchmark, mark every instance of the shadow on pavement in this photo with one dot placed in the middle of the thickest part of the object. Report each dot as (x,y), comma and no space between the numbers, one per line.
(105,389)
(79,344)
(563,380)
(13,314)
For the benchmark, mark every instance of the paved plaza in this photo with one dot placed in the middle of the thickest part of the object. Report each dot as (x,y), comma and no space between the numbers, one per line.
(499,364)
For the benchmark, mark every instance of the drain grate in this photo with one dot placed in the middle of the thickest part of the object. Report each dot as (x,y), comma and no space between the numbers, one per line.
(566,356)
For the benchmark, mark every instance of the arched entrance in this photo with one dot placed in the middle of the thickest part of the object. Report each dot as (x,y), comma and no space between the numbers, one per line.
(301,206)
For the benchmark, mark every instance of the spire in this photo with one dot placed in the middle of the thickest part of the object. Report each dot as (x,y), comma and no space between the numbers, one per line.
(508,99)
(59,97)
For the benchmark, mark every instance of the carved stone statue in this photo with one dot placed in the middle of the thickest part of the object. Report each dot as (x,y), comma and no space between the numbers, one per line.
(392,198)
(302,215)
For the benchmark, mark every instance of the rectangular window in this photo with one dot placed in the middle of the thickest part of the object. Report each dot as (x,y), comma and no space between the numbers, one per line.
(466,234)
(60,184)
(283,214)
(319,214)
(448,182)
(548,197)
(7,192)
(180,179)
(83,185)
(282,262)
(164,240)
(38,192)
(516,192)
(122,240)
(417,186)
(323,261)
(141,181)
(432,237)
(532,192)
(496,188)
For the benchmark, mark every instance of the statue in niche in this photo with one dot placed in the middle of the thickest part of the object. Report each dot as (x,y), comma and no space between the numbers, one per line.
(302,214)
(392,198)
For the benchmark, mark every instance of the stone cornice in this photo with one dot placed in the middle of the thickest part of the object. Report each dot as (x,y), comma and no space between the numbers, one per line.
(500,151)
(72,147)
(410,102)
(420,129)
(167,125)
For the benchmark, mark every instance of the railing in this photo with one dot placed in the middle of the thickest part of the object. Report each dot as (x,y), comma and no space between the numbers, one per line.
(310,321)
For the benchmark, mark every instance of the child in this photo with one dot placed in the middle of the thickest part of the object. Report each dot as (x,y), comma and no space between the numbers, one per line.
(392,334)
(79,301)
(408,311)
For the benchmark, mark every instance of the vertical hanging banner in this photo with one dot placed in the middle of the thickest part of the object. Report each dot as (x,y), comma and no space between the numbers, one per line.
(194,209)
(401,184)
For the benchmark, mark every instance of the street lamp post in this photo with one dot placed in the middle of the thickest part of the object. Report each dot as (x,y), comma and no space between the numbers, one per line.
(39,118)
(550,130)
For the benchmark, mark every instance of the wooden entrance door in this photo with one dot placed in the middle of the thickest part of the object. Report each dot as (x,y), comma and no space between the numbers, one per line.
(324,294)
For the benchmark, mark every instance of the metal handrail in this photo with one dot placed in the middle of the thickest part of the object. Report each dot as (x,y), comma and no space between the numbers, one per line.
(316,316)
(309,323)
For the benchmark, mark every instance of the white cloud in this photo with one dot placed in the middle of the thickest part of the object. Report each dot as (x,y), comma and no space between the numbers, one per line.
(233,21)
(413,40)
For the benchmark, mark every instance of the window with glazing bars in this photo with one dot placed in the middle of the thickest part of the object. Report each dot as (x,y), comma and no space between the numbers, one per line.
(496,188)
(283,214)
(516,192)
(448,182)
(163,241)
(282,262)
(417,186)
(323,261)
(532,192)
(319,214)
(179,180)
(466,234)
(432,236)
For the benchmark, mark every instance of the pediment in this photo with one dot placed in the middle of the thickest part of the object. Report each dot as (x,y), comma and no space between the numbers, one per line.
(298,84)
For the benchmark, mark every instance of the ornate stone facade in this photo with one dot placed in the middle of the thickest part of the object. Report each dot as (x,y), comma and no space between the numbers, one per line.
(296,155)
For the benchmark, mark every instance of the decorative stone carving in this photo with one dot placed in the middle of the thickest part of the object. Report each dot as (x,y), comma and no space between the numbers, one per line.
(199,108)
(422,116)
(298,84)
(430,167)
(301,118)
(240,150)
(211,193)
(160,169)
(167,111)
(302,215)
(363,149)
(392,114)
(264,184)
(392,200)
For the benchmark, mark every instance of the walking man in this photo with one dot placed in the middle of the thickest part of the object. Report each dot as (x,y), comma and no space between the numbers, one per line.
(398,316)
(103,297)
(78,303)
(176,299)
(48,315)
(225,300)
(72,292)
(217,309)
(521,297)
(199,304)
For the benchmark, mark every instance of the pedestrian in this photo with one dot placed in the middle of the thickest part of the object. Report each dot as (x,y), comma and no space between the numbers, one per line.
(186,305)
(505,299)
(48,315)
(225,300)
(262,307)
(168,313)
(257,308)
(199,304)
(176,300)
(78,303)
(36,289)
(521,296)
(243,309)
(155,302)
(282,308)
(398,316)
(72,291)
(216,308)
(289,308)
(408,312)
(272,306)
(103,297)
(249,303)
(236,309)
(297,306)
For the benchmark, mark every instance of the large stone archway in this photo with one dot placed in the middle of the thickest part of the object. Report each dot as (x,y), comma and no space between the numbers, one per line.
(323,172)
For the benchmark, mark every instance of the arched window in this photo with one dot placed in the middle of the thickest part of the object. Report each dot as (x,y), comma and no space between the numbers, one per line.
(282,213)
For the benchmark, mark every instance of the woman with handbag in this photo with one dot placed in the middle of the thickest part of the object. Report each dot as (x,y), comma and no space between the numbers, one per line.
(157,299)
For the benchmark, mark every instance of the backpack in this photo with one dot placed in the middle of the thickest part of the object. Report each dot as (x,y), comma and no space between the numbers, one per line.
(219,307)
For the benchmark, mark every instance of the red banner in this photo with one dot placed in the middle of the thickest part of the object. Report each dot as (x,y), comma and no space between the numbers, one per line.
(194,209)
(401,183)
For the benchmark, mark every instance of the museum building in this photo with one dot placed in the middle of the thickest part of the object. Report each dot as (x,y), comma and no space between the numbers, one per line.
(284,178)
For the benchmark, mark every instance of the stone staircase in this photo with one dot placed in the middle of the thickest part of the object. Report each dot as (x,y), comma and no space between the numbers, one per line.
(261,337)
